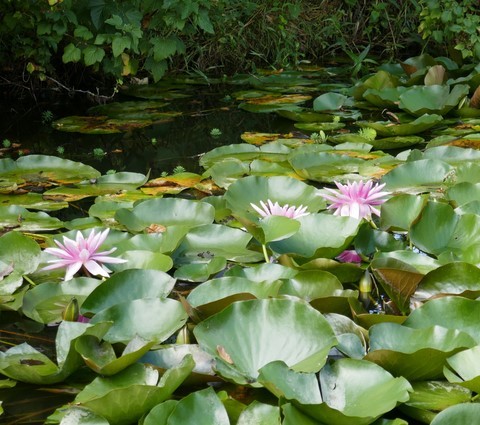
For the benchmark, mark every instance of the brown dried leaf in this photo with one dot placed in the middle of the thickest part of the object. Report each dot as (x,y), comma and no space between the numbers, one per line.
(224,355)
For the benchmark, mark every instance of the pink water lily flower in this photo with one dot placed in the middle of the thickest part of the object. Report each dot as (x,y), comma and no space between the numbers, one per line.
(271,208)
(357,199)
(349,256)
(81,252)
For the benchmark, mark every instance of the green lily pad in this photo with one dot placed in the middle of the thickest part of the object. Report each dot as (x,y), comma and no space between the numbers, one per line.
(416,354)
(101,357)
(460,414)
(125,397)
(456,278)
(290,385)
(134,110)
(399,212)
(172,355)
(22,255)
(356,392)
(281,189)
(43,170)
(26,364)
(250,334)
(388,128)
(18,218)
(47,302)
(199,408)
(258,413)
(128,285)
(418,176)
(215,240)
(272,103)
(330,102)
(153,319)
(381,80)
(201,270)
(434,99)
(334,165)
(451,312)
(214,295)
(166,212)
(430,397)
(386,97)
(462,369)
(320,235)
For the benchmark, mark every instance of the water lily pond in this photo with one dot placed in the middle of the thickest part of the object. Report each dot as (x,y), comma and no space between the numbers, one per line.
(284,248)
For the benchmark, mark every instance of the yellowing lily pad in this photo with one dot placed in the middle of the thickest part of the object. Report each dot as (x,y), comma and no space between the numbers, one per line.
(261,138)
(178,183)
(33,201)
(272,102)
(98,125)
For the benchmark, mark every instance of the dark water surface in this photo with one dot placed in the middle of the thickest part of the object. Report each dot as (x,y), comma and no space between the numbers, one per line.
(178,142)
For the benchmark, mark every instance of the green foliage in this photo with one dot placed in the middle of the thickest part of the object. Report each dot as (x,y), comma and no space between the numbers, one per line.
(453,25)
(126,38)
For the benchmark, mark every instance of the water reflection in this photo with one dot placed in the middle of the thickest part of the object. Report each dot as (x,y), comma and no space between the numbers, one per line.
(158,148)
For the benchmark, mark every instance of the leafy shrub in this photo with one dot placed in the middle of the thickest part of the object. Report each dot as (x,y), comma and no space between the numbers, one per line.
(452,25)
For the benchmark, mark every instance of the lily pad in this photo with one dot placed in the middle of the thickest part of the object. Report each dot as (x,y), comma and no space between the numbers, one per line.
(416,354)
(281,189)
(18,218)
(356,392)
(125,397)
(460,414)
(434,99)
(132,284)
(250,334)
(46,303)
(430,397)
(43,170)
(166,212)
(320,235)
(388,128)
(150,318)
(214,295)
(451,312)
(99,124)
(26,364)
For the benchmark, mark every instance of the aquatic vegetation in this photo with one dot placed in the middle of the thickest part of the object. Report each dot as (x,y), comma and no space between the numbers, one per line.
(349,256)
(357,199)
(240,274)
(81,252)
(215,132)
(270,208)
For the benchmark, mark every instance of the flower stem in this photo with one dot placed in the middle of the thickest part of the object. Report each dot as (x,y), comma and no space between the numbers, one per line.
(30,281)
(265,253)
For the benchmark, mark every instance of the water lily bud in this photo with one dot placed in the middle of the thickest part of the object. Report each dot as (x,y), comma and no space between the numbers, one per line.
(183,336)
(365,284)
(70,314)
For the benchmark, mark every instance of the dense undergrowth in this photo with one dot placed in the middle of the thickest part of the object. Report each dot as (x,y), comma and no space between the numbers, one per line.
(101,43)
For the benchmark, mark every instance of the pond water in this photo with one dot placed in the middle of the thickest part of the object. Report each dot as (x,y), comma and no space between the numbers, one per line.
(175,143)
(178,142)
